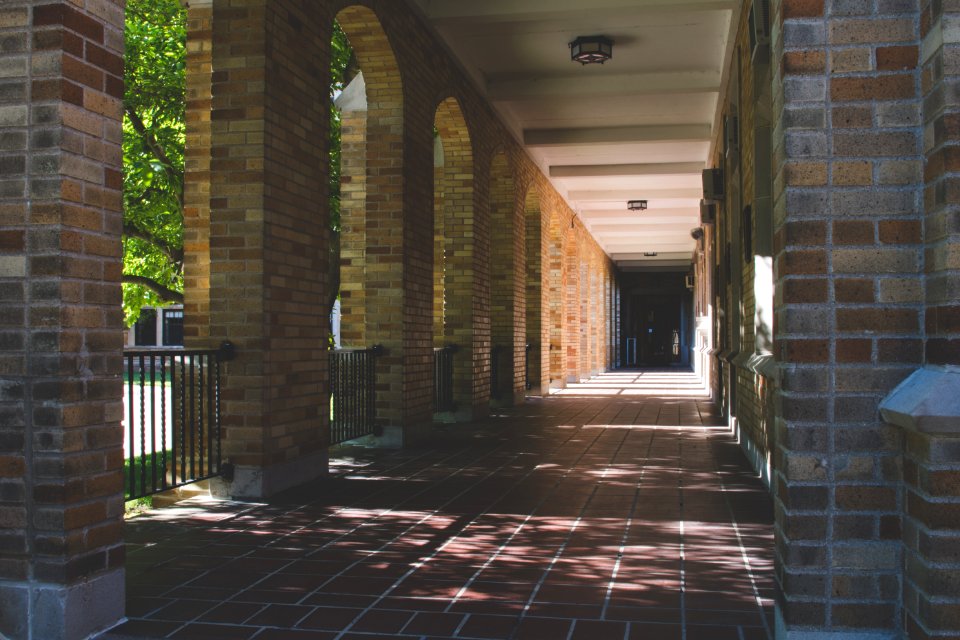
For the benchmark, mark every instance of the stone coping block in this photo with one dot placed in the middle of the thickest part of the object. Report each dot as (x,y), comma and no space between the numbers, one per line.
(928,401)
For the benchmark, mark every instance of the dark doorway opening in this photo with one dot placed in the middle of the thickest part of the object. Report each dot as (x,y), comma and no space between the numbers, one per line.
(656,320)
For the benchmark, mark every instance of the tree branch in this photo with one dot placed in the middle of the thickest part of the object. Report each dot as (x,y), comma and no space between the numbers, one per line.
(168,294)
(157,150)
(175,254)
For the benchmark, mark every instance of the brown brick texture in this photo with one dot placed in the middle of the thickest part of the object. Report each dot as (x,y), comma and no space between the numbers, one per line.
(267,236)
(848,254)
(432,253)
(60,323)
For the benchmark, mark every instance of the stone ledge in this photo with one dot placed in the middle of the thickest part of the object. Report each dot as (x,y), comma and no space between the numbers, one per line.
(928,401)
(62,612)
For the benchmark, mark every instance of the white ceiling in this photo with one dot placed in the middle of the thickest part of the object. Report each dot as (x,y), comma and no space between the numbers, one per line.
(636,127)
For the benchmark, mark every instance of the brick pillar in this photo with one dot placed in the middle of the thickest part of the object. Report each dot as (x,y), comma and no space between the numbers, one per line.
(196,189)
(508,282)
(537,307)
(269,238)
(556,298)
(61,452)
(466,288)
(353,217)
(572,306)
(847,263)
(926,405)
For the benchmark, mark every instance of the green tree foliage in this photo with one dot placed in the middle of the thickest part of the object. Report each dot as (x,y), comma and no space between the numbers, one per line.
(153,148)
(154,135)
(343,68)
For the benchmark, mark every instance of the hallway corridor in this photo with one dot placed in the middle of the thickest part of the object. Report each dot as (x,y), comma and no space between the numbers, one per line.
(621,508)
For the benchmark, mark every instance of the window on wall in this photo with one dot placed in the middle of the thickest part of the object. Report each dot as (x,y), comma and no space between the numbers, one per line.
(746,233)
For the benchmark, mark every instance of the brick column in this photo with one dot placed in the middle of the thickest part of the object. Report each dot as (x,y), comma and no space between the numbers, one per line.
(353,218)
(571,306)
(556,296)
(61,452)
(927,405)
(848,300)
(537,306)
(196,189)
(507,282)
(269,238)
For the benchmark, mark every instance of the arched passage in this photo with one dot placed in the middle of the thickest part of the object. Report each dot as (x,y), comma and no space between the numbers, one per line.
(371,273)
(455,253)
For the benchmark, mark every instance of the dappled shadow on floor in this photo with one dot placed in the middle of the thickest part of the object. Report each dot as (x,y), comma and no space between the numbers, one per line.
(607,516)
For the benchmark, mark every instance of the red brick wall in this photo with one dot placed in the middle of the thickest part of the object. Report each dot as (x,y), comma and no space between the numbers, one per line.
(849,304)
(60,324)
(268,230)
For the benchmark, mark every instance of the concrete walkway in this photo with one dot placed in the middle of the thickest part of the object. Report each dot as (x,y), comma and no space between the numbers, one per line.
(620,508)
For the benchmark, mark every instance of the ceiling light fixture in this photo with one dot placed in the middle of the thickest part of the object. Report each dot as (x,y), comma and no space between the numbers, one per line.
(591,49)
(649,254)
(637,205)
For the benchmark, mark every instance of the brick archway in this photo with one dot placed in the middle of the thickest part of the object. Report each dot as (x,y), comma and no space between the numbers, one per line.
(372,277)
(455,269)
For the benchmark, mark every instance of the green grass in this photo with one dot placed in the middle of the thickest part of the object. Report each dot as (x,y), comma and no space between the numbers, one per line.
(137,486)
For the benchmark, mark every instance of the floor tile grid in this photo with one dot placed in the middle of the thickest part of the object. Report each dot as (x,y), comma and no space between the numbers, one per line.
(620,551)
(453,539)
(751,571)
(346,534)
(474,461)
(643,413)
(503,546)
(703,451)
(333,515)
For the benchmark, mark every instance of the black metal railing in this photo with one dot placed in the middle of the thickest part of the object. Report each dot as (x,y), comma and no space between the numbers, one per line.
(353,393)
(172,418)
(443,378)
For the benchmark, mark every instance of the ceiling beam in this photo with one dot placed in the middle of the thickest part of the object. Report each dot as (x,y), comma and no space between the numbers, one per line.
(639,230)
(514,87)
(688,221)
(655,247)
(615,195)
(641,169)
(662,255)
(444,12)
(617,135)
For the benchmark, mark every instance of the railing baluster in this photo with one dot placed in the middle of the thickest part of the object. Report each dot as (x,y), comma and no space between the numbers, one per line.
(143,431)
(352,381)
(163,421)
(201,407)
(153,423)
(191,428)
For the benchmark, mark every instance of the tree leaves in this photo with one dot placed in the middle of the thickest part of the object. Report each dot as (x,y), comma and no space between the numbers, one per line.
(154,135)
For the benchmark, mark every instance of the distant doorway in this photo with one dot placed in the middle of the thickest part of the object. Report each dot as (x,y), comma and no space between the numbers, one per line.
(656,326)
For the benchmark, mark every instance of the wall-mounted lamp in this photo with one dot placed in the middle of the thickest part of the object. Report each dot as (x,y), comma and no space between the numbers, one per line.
(637,205)
(591,49)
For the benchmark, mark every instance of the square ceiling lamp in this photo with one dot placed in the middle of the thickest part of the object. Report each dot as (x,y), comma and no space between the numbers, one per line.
(637,205)
(591,49)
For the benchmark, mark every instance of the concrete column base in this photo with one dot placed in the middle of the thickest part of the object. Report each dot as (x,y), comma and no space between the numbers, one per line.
(37,611)
(781,632)
(254,483)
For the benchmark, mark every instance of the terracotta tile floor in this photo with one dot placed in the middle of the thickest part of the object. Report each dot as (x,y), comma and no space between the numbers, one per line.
(620,508)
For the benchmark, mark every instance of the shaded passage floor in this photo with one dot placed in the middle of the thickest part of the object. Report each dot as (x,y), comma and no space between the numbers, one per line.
(619,514)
